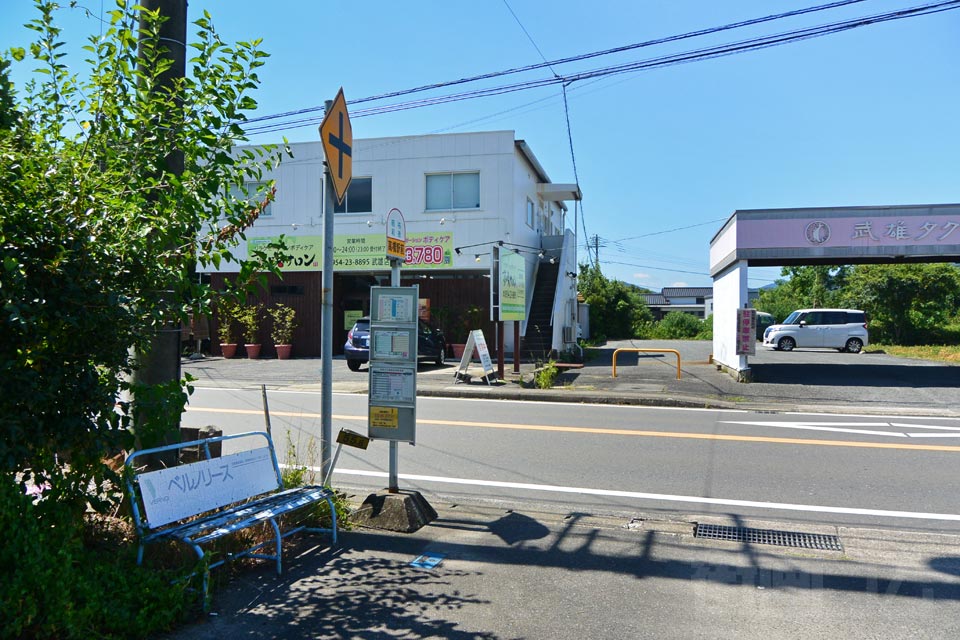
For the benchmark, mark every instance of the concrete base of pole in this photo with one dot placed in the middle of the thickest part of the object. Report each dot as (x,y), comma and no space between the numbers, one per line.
(403,511)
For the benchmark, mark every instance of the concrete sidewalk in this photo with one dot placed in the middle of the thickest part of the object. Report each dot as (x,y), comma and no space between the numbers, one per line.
(490,573)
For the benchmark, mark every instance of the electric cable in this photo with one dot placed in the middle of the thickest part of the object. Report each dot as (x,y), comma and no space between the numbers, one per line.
(576,58)
(697,55)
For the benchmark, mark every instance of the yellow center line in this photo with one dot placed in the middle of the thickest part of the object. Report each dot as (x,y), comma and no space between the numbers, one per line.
(612,432)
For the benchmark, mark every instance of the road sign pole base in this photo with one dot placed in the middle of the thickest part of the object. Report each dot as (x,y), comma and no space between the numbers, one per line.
(403,511)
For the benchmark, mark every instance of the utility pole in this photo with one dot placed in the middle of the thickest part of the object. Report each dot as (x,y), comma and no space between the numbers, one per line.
(162,362)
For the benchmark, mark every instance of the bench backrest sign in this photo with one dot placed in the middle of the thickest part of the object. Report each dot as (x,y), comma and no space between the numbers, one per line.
(179,492)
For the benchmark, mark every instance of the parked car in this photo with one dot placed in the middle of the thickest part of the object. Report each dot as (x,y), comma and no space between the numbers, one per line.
(841,329)
(764,320)
(431,345)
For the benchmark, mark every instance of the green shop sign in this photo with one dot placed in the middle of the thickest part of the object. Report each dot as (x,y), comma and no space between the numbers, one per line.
(362,252)
(513,286)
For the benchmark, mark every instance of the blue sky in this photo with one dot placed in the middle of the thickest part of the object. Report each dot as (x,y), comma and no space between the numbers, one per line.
(863,117)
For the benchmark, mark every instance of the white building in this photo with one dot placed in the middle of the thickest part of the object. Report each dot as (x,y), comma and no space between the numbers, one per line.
(461,195)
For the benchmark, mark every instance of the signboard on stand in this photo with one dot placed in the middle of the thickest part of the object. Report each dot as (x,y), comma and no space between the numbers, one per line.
(392,396)
(476,342)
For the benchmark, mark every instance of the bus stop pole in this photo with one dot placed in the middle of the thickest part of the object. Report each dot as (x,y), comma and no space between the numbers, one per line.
(394,483)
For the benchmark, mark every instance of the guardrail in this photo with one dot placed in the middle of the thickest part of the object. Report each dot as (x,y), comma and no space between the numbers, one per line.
(632,350)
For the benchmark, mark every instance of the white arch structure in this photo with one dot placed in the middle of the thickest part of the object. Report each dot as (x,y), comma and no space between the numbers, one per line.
(829,235)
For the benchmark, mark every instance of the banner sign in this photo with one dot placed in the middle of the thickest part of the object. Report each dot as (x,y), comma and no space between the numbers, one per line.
(362,252)
(513,286)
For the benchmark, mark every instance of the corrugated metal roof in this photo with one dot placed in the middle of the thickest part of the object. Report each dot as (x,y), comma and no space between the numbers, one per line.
(688,292)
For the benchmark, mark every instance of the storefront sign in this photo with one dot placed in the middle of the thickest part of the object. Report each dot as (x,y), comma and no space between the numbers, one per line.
(362,252)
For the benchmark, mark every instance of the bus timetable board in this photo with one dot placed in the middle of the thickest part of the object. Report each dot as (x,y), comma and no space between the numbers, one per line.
(392,395)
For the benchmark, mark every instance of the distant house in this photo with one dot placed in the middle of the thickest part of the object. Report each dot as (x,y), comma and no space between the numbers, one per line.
(697,301)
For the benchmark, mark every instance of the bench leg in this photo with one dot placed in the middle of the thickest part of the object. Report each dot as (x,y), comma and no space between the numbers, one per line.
(279,539)
(333,521)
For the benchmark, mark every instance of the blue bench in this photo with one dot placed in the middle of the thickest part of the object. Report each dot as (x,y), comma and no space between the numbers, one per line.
(203,501)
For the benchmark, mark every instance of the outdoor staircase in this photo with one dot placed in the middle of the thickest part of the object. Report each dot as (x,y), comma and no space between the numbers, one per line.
(538,341)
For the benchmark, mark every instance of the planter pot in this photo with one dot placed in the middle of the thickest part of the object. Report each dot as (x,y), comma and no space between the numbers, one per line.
(283,351)
(228,350)
(253,351)
(458,350)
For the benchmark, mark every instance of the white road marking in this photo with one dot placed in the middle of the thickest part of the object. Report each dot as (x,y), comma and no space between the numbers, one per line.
(815,426)
(660,497)
(841,427)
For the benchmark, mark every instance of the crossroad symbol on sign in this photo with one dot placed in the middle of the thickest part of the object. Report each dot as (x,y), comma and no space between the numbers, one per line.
(336,134)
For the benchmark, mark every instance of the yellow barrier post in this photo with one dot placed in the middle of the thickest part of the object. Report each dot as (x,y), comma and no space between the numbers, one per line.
(632,350)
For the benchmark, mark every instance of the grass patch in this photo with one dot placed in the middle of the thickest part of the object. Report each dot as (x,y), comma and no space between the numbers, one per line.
(939,353)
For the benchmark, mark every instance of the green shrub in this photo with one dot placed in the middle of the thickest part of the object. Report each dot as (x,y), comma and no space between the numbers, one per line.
(706,331)
(678,325)
(300,471)
(547,375)
(56,585)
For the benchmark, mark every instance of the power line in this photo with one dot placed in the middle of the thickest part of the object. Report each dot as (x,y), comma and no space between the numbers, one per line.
(697,55)
(657,233)
(567,60)
(645,266)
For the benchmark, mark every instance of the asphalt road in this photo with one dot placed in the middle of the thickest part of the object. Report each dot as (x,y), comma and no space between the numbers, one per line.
(895,472)
(567,521)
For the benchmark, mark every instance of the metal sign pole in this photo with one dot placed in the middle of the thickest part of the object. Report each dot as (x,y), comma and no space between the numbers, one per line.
(394,482)
(326,326)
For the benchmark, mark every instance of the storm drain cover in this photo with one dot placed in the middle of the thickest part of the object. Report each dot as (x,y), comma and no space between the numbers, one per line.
(797,539)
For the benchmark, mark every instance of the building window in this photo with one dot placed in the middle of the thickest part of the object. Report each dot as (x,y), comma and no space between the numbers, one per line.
(529,213)
(249,195)
(359,198)
(447,191)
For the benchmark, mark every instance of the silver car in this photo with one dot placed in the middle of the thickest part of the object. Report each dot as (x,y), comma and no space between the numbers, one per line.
(841,329)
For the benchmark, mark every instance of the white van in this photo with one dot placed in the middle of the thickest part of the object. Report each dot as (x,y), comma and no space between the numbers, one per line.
(841,329)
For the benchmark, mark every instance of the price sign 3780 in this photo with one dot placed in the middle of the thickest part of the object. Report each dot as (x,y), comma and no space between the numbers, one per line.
(428,254)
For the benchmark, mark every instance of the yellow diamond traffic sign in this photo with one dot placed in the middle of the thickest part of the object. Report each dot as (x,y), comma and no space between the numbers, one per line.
(336,134)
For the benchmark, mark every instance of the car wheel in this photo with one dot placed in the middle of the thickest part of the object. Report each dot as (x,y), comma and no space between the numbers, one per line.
(786,344)
(353,365)
(854,345)
(441,356)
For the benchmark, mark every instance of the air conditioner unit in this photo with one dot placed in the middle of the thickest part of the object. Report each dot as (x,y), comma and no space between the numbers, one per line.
(569,337)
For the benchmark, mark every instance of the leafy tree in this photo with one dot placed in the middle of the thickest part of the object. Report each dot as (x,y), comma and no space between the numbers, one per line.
(97,238)
(8,114)
(616,308)
(905,303)
(803,287)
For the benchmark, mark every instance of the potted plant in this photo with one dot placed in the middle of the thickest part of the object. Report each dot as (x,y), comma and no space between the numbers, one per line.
(248,316)
(284,322)
(226,312)
(469,321)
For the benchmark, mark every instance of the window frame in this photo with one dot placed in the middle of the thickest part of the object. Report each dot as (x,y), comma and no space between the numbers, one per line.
(452,193)
(346,198)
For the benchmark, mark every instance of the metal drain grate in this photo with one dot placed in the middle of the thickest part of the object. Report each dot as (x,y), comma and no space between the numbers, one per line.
(795,539)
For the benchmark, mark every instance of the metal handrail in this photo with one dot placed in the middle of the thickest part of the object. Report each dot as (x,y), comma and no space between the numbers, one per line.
(632,350)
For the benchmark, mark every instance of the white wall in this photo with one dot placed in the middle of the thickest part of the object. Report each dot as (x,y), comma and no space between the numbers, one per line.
(729,294)
(398,168)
